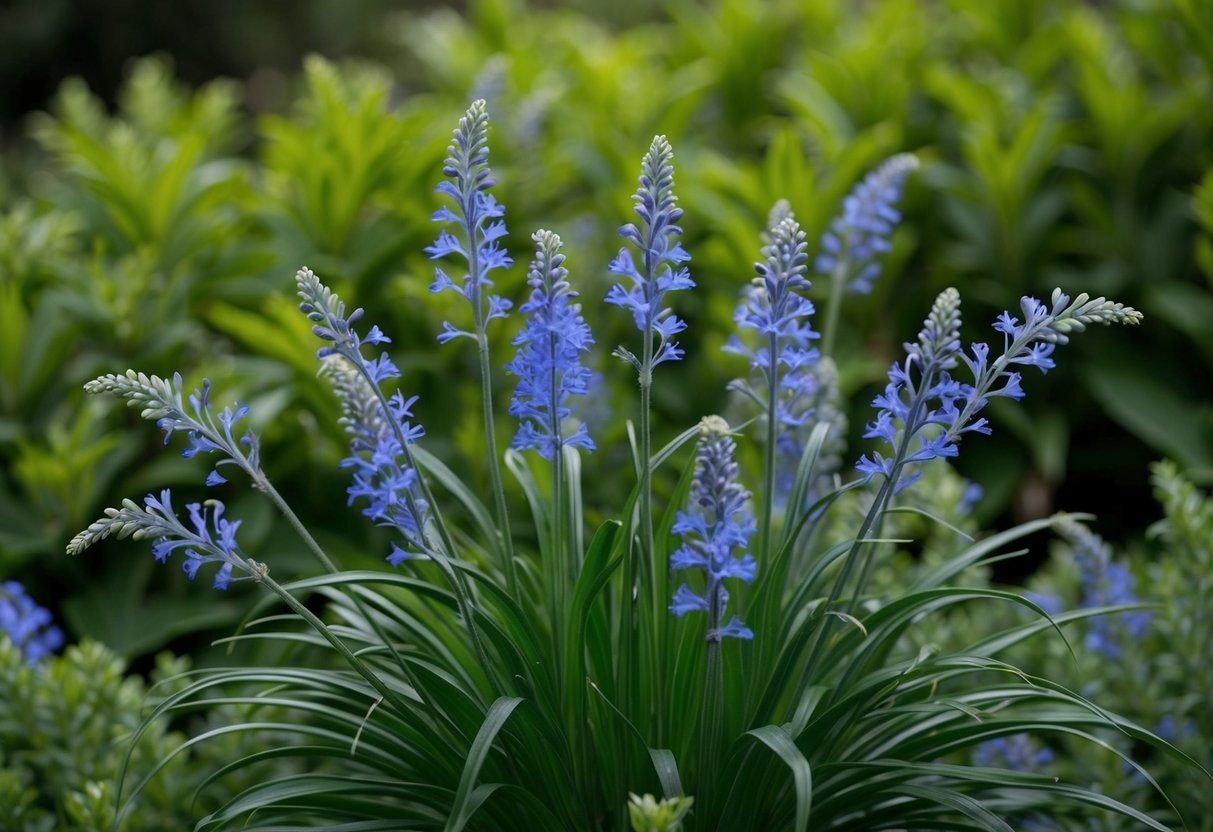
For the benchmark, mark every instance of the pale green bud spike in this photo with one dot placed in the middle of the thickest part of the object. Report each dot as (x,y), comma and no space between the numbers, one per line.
(1083,311)
(124,522)
(155,395)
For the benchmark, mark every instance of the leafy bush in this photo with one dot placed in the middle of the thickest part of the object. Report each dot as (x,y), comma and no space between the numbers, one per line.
(1146,660)
(65,740)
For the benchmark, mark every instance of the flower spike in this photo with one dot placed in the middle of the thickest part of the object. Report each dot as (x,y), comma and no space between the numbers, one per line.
(379,427)
(784,364)
(660,270)
(211,540)
(548,363)
(207,433)
(717,521)
(860,234)
(479,227)
(922,392)
(382,474)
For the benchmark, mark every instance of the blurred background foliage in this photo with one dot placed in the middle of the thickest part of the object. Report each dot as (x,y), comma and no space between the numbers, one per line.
(152,216)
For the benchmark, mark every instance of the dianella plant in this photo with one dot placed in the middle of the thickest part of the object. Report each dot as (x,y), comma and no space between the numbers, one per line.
(704,658)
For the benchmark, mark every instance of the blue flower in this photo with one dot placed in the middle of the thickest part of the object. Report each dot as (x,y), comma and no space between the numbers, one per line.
(548,362)
(1016,752)
(860,234)
(161,400)
(326,311)
(211,540)
(775,309)
(922,393)
(1105,582)
(30,627)
(716,522)
(477,215)
(200,545)
(382,473)
(379,427)
(656,241)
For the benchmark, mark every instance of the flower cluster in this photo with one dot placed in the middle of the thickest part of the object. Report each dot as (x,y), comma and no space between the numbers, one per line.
(29,626)
(548,362)
(1017,752)
(161,401)
(1105,582)
(212,539)
(849,249)
(716,522)
(477,215)
(379,427)
(784,362)
(382,474)
(326,311)
(661,258)
(905,406)
(909,405)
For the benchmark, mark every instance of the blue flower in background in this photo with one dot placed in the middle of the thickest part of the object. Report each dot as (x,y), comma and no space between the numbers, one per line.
(1105,582)
(479,227)
(656,240)
(774,307)
(1172,731)
(861,233)
(29,626)
(1016,752)
(1049,602)
(716,522)
(971,496)
(548,363)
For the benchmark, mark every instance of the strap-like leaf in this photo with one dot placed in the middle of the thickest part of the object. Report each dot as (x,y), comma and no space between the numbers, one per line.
(467,797)
(774,738)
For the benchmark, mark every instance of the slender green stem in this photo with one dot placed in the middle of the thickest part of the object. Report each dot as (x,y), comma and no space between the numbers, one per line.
(825,621)
(495,482)
(768,549)
(838,282)
(479,319)
(648,553)
(458,585)
(890,485)
(711,716)
(355,663)
(768,509)
(558,574)
(262,483)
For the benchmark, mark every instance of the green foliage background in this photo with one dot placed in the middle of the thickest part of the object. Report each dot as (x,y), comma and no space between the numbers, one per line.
(1063,144)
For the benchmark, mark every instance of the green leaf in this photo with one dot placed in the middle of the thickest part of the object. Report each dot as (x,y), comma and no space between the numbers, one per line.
(774,738)
(1153,411)
(667,771)
(468,799)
